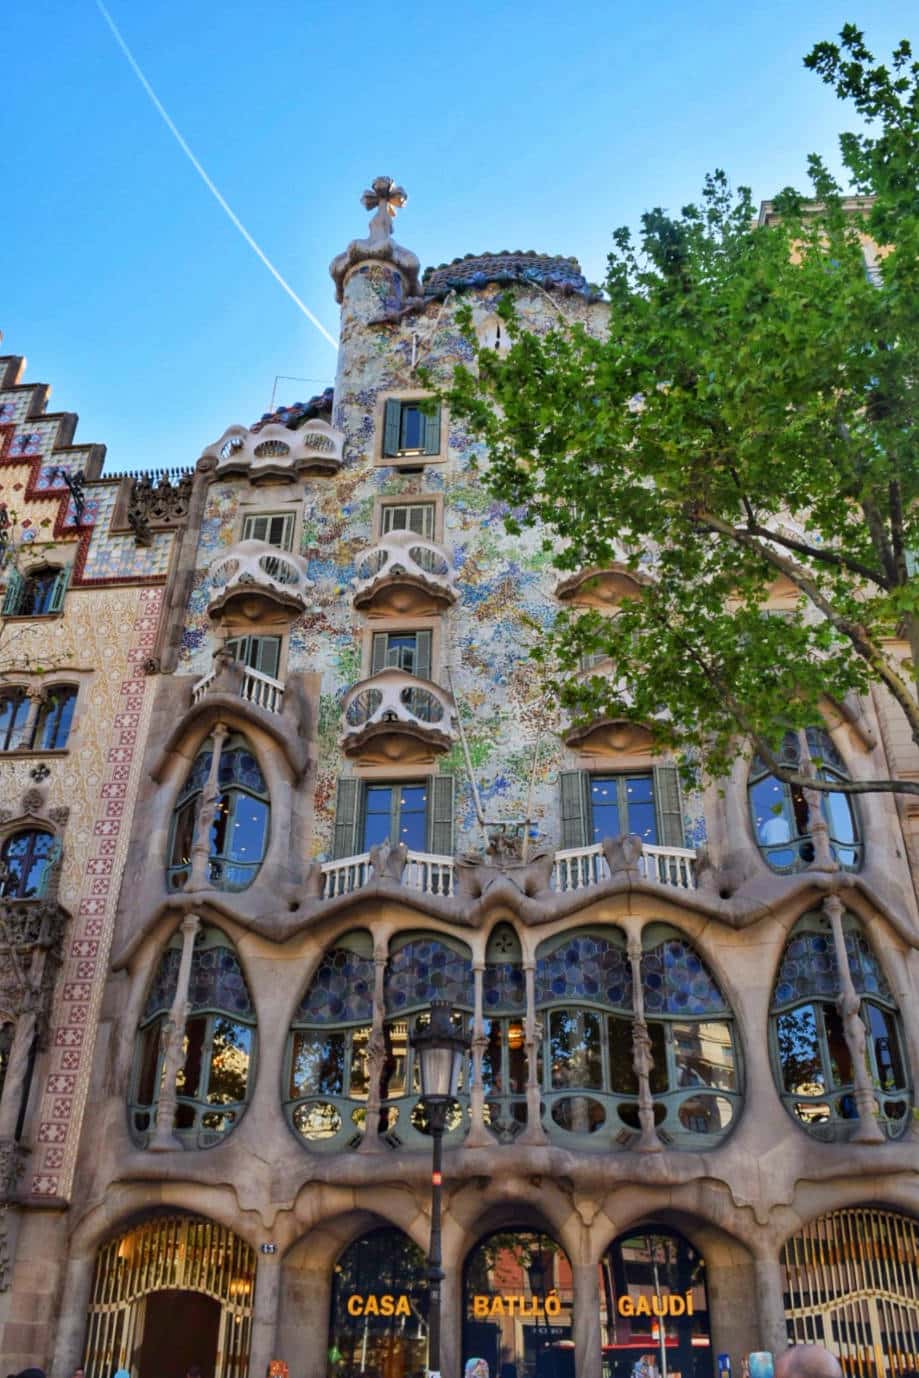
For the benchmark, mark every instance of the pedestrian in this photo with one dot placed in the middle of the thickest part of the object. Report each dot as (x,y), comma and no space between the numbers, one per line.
(807,1361)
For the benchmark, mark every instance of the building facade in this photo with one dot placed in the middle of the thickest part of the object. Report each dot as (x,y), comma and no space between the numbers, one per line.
(686,1125)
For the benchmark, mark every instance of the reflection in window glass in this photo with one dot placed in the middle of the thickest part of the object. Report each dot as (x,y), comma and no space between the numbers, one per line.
(651,1264)
(781,815)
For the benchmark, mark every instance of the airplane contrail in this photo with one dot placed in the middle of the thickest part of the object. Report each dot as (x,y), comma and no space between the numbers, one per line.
(116,33)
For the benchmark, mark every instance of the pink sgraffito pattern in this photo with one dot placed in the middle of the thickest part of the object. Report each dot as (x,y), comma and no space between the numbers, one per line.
(71,1041)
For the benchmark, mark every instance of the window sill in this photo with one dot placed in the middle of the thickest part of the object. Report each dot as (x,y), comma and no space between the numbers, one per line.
(31,616)
(23,753)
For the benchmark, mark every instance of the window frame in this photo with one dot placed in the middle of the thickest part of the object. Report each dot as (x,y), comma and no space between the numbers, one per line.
(576,808)
(50,861)
(350,811)
(427,505)
(800,843)
(17,590)
(288,519)
(390,423)
(178,873)
(258,641)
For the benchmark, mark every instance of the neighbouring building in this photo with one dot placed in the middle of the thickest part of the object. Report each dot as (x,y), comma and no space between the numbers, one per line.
(687,1123)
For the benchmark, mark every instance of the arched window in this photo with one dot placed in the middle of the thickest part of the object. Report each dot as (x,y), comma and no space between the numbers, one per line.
(239,833)
(327,1077)
(55,715)
(26,860)
(215,1079)
(780,814)
(504,1059)
(15,709)
(518,1305)
(653,1298)
(368,1334)
(812,1060)
(35,594)
(587,1062)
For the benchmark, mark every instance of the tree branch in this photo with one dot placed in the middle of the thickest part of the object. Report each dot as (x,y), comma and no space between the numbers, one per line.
(826,557)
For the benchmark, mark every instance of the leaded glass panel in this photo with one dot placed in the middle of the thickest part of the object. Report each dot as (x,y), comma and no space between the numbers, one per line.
(423,970)
(217,981)
(341,992)
(584,967)
(675,981)
(503,988)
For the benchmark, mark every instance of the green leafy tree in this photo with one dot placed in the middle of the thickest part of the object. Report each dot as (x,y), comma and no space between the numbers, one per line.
(747,423)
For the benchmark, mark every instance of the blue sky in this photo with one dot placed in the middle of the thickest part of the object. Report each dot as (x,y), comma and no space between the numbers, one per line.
(514,125)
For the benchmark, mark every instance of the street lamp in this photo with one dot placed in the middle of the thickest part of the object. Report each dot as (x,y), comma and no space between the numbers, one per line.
(441,1045)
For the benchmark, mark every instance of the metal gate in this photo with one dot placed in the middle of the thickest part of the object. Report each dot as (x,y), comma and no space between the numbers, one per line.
(183,1252)
(852,1285)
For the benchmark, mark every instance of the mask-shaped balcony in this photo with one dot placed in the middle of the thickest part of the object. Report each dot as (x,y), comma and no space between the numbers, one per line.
(395,717)
(606,589)
(257,578)
(277,452)
(404,574)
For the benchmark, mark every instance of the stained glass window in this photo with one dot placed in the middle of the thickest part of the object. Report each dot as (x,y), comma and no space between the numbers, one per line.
(239,832)
(781,814)
(675,981)
(584,967)
(341,992)
(425,969)
(503,988)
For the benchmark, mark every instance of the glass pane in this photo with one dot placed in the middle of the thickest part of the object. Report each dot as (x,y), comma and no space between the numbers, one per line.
(184,832)
(639,800)
(622,1076)
(395,1042)
(377,814)
(317,1065)
(885,1042)
(188,1081)
(14,717)
(248,827)
(359,1081)
(841,1070)
(704,1055)
(231,1048)
(798,1046)
(492,1079)
(401,651)
(604,807)
(413,817)
(412,428)
(26,855)
(574,1049)
(55,720)
(773,818)
(148,1061)
(660,1073)
(341,991)
(516,1057)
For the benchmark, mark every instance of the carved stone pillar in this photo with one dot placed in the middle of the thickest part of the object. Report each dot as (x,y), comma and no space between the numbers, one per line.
(173,1043)
(71,1326)
(376,1055)
(36,986)
(770,1304)
(534,1132)
(642,1060)
(819,832)
(848,1004)
(586,1320)
(210,798)
(17,1068)
(265,1309)
(478,1136)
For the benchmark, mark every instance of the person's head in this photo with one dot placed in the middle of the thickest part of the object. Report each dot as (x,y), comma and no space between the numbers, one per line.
(193,1371)
(78,1372)
(476,1368)
(807,1361)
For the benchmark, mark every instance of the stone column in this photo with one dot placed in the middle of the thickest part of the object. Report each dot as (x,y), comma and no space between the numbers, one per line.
(770,1303)
(478,1136)
(71,1325)
(848,1004)
(303,1336)
(586,1320)
(210,797)
(376,1053)
(534,1132)
(451,1321)
(642,1060)
(265,1314)
(17,1068)
(173,1044)
(732,1308)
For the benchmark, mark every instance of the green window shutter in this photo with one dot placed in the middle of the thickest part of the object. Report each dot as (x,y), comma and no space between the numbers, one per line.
(431,444)
(668,807)
(345,840)
(423,655)
(575,786)
(60,588)
(380,646)
(392,424)
(236,647)
(440,814)
(14,582)
(267,655)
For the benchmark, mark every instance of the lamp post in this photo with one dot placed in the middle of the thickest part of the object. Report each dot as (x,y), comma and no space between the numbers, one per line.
(441,1046)
(536,1272)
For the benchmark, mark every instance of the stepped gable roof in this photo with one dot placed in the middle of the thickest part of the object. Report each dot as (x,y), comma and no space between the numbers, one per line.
(295,415)
(478,270)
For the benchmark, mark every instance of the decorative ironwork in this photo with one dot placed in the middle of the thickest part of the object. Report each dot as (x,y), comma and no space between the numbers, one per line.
(160,504)
(75,485)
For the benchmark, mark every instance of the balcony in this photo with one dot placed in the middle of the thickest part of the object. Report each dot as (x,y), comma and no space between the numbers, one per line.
(404,574)
(605,589)
(252,574)
(395,717)
(254,687)
(276,452)
(578,868)
(424,871)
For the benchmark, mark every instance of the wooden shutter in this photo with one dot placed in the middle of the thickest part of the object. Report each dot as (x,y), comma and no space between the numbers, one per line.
(431,443)
(423,655)
(392,424)
(440,814)
(379,647)
(345,841)
(60,588)
(14,582)
(575,787)
(667,806)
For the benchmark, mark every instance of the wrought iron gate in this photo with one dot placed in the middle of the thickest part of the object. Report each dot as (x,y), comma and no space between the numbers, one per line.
(852,1285)
(185,1253)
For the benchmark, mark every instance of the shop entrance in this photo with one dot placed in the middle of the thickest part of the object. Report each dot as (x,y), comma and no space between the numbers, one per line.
(654,1307)
(378,1325)
(517,1306)
(180,1329)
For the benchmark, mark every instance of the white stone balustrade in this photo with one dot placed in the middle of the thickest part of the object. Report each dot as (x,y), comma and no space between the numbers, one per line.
(400,558)
(424,871)
(255,687)
(394,697)
(576,868)
(255,567)
(276,452)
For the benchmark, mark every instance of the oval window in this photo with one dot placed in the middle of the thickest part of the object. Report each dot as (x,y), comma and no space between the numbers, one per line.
(317,1120)
(706,1114)
(578,1114)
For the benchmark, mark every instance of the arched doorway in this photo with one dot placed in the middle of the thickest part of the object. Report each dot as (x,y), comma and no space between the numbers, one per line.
(517,1306)
(172,1291)
(654,1307)
(378,1324)
(852,1285)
